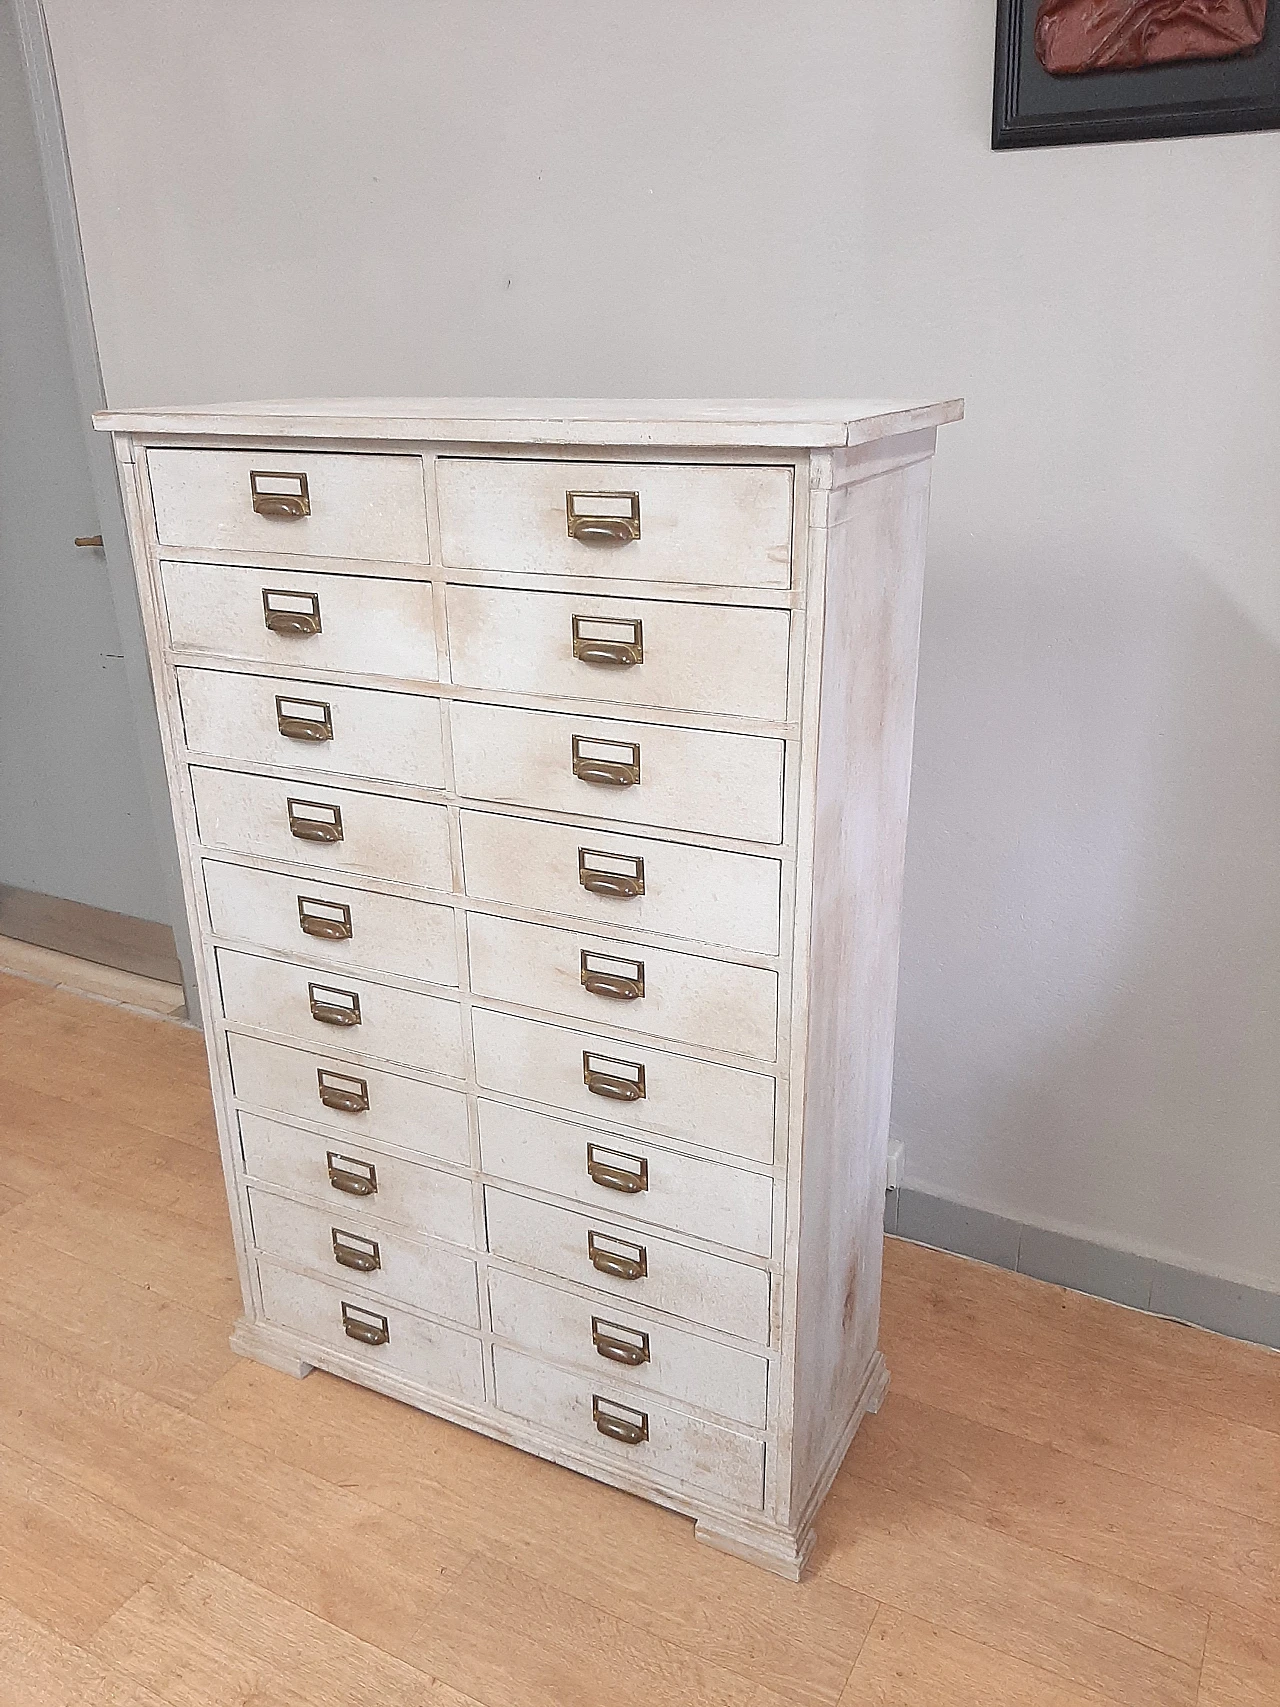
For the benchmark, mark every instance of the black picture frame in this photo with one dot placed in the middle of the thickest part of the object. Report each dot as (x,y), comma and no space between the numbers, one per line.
(1031,109)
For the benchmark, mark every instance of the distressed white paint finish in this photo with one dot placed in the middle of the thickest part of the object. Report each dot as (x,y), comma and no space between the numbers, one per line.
(688,1368)
(715,526)
(361,506)
(730,1109)
(703,895)
(369,625)
(692,999)
(690,779)
(392,737)
(381,836)
(695,657)
(408,1114)
(698,1286)
(411,939)
(684,1194)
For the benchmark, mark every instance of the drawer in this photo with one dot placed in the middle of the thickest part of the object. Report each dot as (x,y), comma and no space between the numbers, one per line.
(594,1335)
(367,1258)
(721,1108)
(688,779)
(362,623)
(335,927)
(353,731)
(710,1004)
(628,1176)
(718,658)
(357,1103)
(721,526)
(310,1002)
(371,508)
(727,900)
(428,1353)
(329,829)
(606,1419)
(715,1291)
(361,1184)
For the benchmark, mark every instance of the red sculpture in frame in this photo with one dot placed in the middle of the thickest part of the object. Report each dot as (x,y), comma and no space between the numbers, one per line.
(1074,36)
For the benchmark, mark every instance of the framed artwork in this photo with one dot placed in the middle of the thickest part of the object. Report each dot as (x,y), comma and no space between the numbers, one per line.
(1112,70)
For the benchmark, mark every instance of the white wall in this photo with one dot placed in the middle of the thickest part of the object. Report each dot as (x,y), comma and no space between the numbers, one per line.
(744,198)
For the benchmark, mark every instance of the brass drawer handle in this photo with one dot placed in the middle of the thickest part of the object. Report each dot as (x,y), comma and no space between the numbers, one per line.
(326,828)
(351,1251)
(337,1091)
(365,1325)
(614,763)
(591,525)
(599,879)
(620,980)
(351,1174)
(286,505)
(328,920)
(294,720)
(293,613)
(616,1175)
(344,1010)
(630,1427)
(627,1086)
(607,1258)
(600,648)
(629,1346)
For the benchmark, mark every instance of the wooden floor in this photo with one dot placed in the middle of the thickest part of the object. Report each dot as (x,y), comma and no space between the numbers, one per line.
(1062,1502)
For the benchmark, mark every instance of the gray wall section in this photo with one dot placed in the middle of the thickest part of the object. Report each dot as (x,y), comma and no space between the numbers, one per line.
(74,816)
(419,196)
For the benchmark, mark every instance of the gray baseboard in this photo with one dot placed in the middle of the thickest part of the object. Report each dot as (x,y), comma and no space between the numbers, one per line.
(1162,1289)
(90,933)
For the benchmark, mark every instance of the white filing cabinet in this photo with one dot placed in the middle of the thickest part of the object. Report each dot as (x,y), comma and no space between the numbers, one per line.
(540,771)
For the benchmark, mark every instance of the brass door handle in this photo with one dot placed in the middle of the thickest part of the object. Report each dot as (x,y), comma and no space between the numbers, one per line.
(610,979)
(613,1343)
(297,725)
(352,1175)
(366,1327)
(286,506)
(289,618)
(617,1263)
(326,829)
(630,1427)
(345,1011)
(608,649)
(346,1096)
(90,539)
(592,526)
(351,1251)
(601,880)
(614,1176)
(618,1087)
(599,767)
(331,926)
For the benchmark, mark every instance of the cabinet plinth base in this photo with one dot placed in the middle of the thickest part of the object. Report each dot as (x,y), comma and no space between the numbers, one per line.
(777,1550)
(250,1339)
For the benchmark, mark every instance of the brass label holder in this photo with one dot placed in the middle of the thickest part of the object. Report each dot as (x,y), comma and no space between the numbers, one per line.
(619,876)
(619,1344)
(342,1094)
(615,641)
(617,1171)
(334,1007)
(619,1422)
(605,975)
(315,820)
(603,518)
(304,719)
(351,1174)
(620,1081)
(328,920)
(290,613)
(283,497)
(616,764)
(367,1326)
(617,1257)
(352,1250)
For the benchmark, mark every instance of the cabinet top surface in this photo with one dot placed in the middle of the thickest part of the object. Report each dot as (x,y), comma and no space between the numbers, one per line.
(804,423)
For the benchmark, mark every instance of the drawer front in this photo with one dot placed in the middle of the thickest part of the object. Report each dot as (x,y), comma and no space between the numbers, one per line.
(594,1335)
(336,927)
(328,829)
(434,1356)
(311,1003)
(628,1176)
(666,1443)
(689,779)
(363,623)
(352,731)
(624,883)
(357,1103)
(715,1291)
(361,1184)
(714,526)
(369,508)
(721,1108)
(717,658)
(425,1277)
(710,1004)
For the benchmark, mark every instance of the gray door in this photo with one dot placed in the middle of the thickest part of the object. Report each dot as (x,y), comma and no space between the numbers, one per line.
(75,817)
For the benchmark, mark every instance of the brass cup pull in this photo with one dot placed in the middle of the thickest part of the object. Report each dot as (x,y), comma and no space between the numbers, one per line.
(611,883)
(345,1010)
(351,1251)
(304,719)
(627,1086)
(630,1427)
(283,496)
(328,920)
(603,647)
(603,518)
(616,764)
(607,652)
(292,613)
(327,827)
(90,539)
(352,1175)
(344,1095)
(629,1346)
(365,1326)
(619,1263)
(617,1175)
(619,980)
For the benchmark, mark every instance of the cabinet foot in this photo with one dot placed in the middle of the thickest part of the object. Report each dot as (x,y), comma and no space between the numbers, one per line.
(250,1339)
(776,1550)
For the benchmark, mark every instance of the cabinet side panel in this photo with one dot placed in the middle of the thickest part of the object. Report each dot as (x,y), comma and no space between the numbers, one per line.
(874,576)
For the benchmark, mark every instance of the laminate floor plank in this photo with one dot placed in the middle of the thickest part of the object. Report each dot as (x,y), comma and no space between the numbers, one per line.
(41,1669)
(1241,1661)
